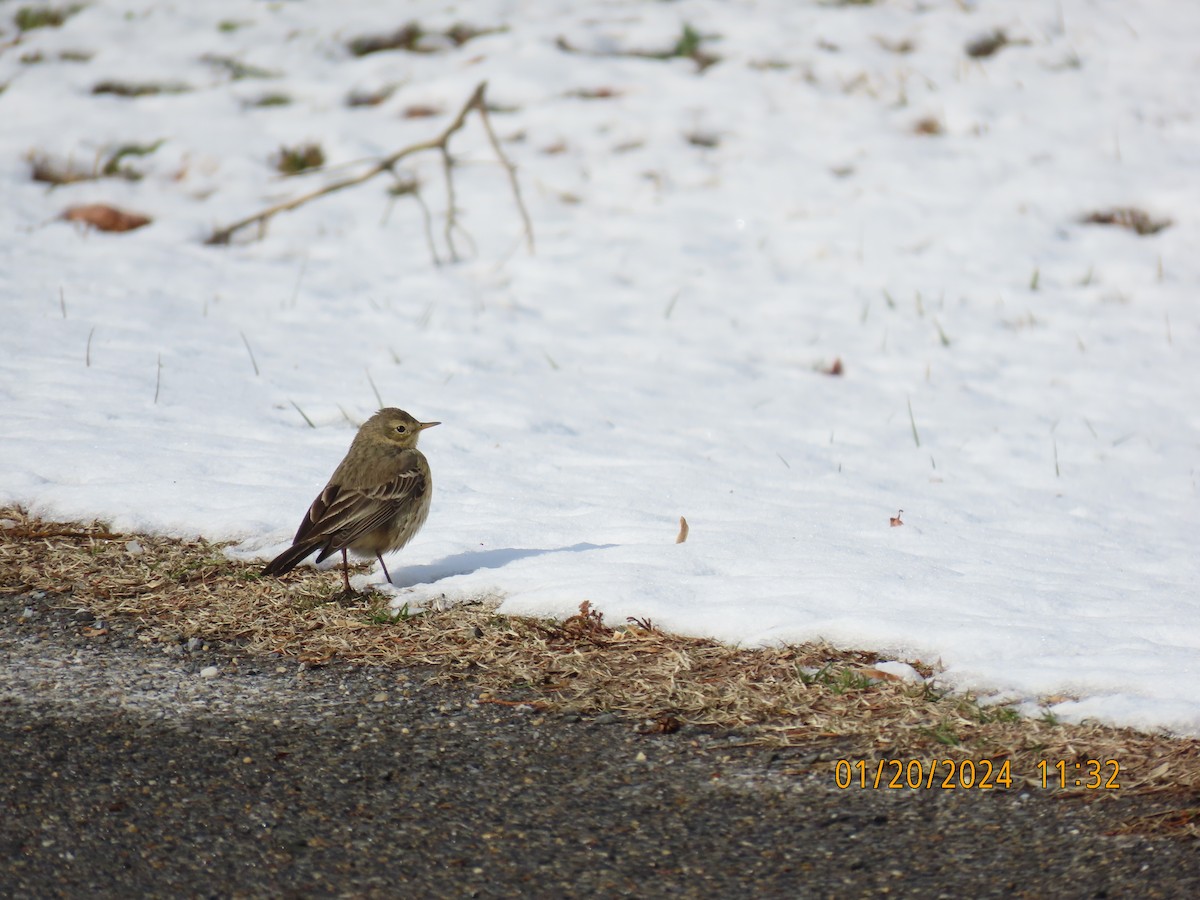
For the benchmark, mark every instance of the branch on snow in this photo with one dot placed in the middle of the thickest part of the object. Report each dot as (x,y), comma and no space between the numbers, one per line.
(441,143)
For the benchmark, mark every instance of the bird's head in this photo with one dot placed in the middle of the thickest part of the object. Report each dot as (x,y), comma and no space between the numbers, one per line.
(395,426)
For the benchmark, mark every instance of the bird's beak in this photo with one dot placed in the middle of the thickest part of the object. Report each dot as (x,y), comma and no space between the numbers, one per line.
(421,426)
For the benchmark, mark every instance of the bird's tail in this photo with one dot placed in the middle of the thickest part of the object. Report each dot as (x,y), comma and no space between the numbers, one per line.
(289,559)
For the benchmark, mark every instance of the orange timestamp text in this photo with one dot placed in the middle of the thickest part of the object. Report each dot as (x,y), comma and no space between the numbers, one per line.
(967,774)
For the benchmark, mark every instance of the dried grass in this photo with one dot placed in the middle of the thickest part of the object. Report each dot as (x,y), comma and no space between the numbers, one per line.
(1136,220)
(812,696)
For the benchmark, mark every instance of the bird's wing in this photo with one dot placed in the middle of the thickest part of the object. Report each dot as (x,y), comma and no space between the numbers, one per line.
(342,515)
(309,525)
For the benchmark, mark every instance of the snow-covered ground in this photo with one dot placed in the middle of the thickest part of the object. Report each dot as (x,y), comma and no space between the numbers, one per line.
(708,243)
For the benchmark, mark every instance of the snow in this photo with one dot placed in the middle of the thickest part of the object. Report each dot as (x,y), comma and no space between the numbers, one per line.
(661,353)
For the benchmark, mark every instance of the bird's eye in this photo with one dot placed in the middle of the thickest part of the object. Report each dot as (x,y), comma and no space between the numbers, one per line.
(401,429)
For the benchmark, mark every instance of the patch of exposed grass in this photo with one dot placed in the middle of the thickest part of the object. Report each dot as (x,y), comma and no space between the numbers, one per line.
(992,42)
(236,69)
(808,695)
(407,37)
(115,165)
(1136,220)
(48,170)
(706,139)
(270,99)
(37,56)
(414,38)
(689,45)
(109,164)
(301,158)
(838,680)
(987,44)
(943,733)
(359,97)
(460,32)
(28,18)
(139,89)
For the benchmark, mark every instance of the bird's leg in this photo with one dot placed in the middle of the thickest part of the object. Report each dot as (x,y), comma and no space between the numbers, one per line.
(379,556)
(345,570)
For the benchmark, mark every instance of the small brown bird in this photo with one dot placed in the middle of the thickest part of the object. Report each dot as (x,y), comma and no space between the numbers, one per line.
(377,499)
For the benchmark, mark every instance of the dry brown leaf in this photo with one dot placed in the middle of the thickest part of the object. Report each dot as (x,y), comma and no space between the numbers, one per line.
(928,125)
(105,218)
(600,93)
(421,111)
(683,531)
(664,723)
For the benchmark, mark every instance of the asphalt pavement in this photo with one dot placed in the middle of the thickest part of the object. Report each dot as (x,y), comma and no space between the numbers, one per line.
(139,768)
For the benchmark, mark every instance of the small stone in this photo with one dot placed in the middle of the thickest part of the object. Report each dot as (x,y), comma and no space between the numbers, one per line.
(210,672)
(194,644)
(381,697)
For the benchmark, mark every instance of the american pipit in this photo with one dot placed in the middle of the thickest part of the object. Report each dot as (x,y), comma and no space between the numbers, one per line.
(377,499)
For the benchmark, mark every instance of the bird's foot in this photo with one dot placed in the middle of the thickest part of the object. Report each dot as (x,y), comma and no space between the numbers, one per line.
(351,597)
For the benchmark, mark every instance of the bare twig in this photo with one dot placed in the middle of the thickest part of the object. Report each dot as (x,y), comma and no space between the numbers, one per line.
(511,171)
(428,218)
(451,205)
(441,143)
